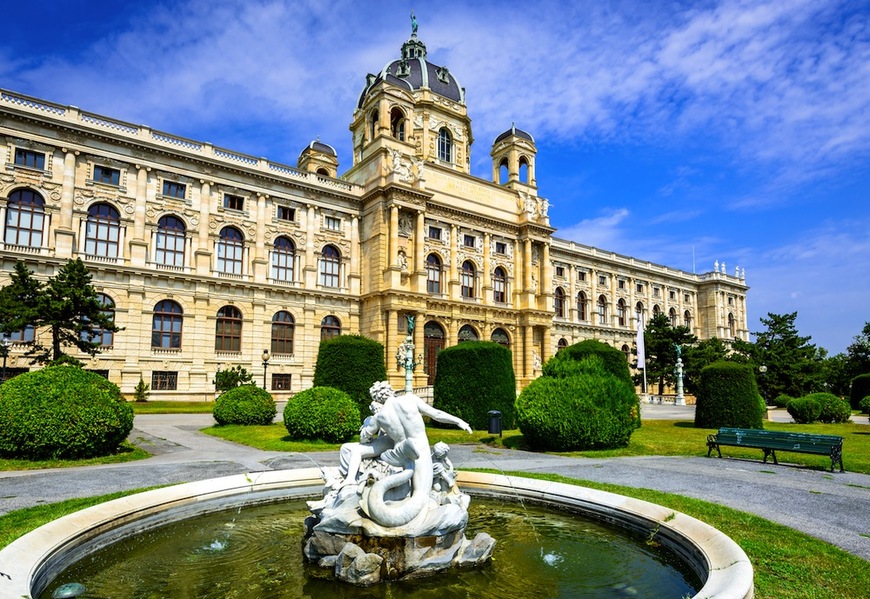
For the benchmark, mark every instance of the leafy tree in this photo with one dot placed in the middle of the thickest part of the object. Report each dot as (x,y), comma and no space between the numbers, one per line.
(793,363)
(698,356)
(660,341)
(67,304)
(224,380)
(858,353)
(834,375)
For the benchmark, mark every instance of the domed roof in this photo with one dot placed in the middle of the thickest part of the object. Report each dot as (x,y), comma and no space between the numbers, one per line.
(413,72)
(319,146)
(514,131)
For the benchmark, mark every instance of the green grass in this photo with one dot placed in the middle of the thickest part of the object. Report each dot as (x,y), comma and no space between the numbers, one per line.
(788,564)
(172,407)
(655,437)
(125,453)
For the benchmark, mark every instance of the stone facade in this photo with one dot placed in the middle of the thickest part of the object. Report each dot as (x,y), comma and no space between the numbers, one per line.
(208,257)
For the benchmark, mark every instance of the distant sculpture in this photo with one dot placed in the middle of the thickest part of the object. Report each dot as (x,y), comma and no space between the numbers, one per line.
(413,24)
(410,318)
(402,260)
(723,268)
(679,350)
(716,266)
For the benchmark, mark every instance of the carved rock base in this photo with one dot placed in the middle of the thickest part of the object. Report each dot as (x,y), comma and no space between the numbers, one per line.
(363,560)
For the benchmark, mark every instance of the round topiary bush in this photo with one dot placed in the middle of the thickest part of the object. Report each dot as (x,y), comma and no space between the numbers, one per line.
(322,413)
(864,405)
(804,410)
(833,409)
(860,390)
(781,400)
(245,404)
(590,409)
(613,360)
(728,396)
(62,412)
(473,378)
(352,363)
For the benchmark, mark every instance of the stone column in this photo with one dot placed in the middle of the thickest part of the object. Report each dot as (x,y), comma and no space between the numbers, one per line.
(453,283)
(486,288)
(527,265)
(394,236)
(64,235)
(261,257)
(528,346)
(310,270)
(204,252)
(355,276)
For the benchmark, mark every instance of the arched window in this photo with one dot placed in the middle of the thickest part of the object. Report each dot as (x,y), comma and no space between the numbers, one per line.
(330,266)
(638,311)
(373,124)
(445,145)
(228,330)
(283,258)
(602,310)
(324,172)
(621,312)
(102,231)
(732,325)
(166,325)
(561,344)
(672,317)
(503,173)
(524,170)
(626,351)
(397,124)
(467,280)
(283,327)
(656,310)
(102,337)
(433,274)
(170,241)
(499,286)
(500,336)
(687,319)
(559,302)
(330,327)
(468,333)
(25,216)
(230,249)
(582,307)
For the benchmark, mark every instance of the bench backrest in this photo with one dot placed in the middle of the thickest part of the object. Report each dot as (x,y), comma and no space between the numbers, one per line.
(805,442)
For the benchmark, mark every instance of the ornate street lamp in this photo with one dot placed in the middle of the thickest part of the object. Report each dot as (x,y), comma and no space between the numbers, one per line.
(4,349)
(265,357)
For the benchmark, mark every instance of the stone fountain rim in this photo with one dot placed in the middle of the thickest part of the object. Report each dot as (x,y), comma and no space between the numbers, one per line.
(29,563)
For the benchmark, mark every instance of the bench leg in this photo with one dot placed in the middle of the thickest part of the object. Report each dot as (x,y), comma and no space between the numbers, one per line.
(770,453)
(837,458)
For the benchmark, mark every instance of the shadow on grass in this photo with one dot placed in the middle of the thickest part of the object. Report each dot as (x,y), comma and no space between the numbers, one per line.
(684,424)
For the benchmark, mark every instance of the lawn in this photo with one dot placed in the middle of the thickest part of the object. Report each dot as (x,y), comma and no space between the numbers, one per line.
(125,453)
(172,407)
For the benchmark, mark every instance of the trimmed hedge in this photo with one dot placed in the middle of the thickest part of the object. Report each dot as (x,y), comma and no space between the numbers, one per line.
(352,363)
(781,400)
(473,378)
(860,390)
(322,413)
(833,409)
(612,359)
(804,410)
(62,412)
(588,409)
(728,396)
(864,405)
(246,404)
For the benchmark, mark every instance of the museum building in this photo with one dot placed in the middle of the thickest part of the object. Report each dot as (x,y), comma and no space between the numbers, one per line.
(210,258)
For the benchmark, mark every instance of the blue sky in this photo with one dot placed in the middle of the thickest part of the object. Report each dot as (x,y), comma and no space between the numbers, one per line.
(678,132)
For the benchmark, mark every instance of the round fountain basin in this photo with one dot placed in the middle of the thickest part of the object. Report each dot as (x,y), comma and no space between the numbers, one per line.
(31,565)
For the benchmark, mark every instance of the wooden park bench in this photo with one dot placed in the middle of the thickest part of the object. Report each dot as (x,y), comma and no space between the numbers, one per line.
(771,441)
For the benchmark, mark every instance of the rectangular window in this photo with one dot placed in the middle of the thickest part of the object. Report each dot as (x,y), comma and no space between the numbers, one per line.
(469,241)
(281,382)
(102,373)
(581,276)
(560,271)
(500,248)
(174,190)
(232,202)
(435,233)
(602,280)
(640,287)
(109,176)
(29,158)
(621,284)
(672,295)
(164,380)
(286,213)
(730,301)
(656,291)
(686,297)
(332,223)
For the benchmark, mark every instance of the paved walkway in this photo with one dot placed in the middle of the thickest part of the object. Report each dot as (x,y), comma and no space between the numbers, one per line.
(832,507)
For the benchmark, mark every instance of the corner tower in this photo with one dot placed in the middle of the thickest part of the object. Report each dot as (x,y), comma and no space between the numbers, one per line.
(513,160)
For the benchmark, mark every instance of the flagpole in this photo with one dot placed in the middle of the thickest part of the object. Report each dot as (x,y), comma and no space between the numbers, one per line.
(641,352)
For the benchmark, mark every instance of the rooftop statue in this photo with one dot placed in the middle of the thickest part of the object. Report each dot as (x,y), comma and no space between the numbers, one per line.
(413,24)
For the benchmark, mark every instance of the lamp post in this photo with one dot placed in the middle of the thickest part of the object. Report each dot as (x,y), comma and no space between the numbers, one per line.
(4,349)
(405,356)
(265,357)
(762,369)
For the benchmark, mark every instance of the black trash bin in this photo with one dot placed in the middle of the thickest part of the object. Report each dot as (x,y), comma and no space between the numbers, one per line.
(494,422)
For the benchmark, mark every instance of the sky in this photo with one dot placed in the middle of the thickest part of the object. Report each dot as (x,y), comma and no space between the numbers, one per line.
(679,132)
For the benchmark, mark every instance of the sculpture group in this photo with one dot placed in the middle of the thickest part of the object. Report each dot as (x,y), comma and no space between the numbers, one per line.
(392,509)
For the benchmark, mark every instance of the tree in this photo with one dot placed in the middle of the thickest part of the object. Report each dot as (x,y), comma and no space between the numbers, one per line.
(660,341)
(793,363)
(224,380)
(698,356)
(67,304)
(858,353)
